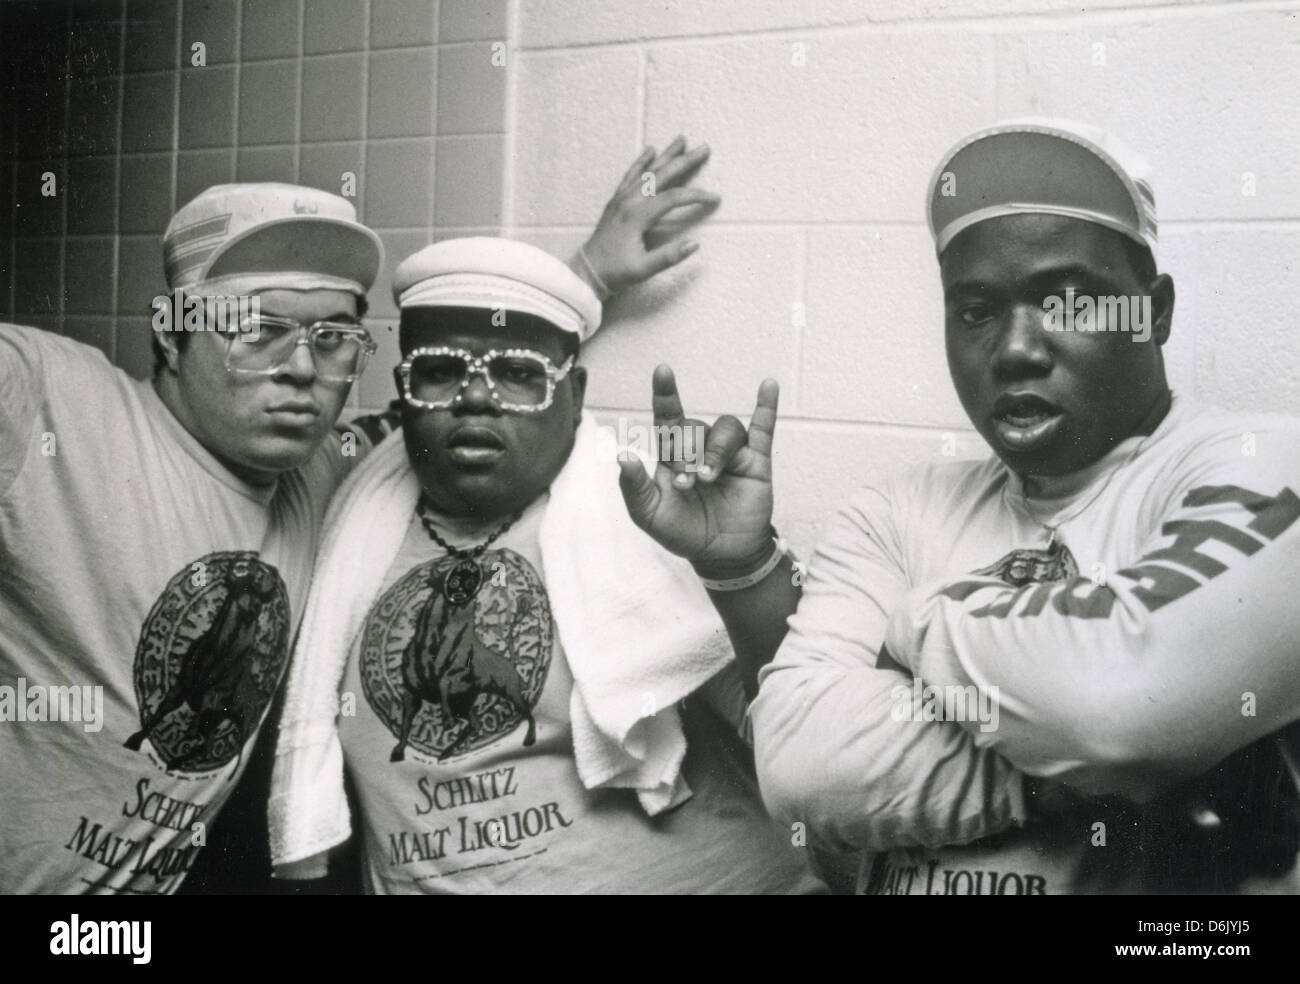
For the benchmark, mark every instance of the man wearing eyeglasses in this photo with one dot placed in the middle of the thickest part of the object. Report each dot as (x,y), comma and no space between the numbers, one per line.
(157,536)
(529,695)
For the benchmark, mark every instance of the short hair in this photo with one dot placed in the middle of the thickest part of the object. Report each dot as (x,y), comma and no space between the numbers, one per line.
(1140,260)
(183,337)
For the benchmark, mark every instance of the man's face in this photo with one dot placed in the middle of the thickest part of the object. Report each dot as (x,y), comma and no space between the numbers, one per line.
(260,426)
(1049,402)
(473,458)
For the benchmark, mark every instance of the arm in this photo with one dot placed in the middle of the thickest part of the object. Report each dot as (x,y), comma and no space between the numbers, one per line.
(756,617)
(622,250)
(22,382)
(1156,673)
(829,751)
(836,743)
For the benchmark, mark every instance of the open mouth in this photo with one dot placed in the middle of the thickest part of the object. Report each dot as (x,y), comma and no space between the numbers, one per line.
(475,445)
(1025,421)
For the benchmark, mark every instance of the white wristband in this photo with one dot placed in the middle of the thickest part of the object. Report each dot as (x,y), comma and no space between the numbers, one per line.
(603,292)
(748,580)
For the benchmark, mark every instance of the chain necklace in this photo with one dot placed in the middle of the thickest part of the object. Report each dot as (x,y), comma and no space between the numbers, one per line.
(465,577)
(1053,530)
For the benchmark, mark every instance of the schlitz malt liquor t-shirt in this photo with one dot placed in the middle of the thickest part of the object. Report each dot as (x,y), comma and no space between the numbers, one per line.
(943,635)
(147,603)
(456,734)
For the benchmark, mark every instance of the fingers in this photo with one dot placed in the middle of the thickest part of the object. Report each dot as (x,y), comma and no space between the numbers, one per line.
(664,401)
(681,447)
(638,168)
(725,438)
(664,202)
(680,169)
(665,256)
(675,165)
(669,152)
(680,440)
(763,424)
(640,494)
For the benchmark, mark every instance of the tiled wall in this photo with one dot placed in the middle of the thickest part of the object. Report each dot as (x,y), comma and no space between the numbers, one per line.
(826,118)
(105,96)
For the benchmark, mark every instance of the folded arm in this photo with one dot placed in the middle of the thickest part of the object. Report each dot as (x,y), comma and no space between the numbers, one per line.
(1131,683)
(837,743)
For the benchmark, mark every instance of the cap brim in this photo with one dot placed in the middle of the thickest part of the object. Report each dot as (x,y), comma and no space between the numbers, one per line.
(1036,166)
(305,244)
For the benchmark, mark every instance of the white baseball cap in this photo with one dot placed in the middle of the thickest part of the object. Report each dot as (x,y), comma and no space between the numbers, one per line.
(238,238)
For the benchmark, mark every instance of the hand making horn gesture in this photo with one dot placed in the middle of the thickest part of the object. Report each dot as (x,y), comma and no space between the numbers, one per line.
(710,499)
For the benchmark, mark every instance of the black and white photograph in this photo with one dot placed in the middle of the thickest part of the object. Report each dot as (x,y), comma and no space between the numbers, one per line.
(651,447)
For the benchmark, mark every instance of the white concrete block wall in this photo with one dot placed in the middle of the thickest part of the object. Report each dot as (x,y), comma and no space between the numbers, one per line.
(823,166)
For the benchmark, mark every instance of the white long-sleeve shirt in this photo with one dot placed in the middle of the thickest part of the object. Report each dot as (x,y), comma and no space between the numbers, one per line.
(1176,642)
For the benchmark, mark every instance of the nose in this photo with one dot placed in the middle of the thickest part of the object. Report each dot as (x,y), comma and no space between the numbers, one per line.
(476,396)
(1023,348)
(300,367)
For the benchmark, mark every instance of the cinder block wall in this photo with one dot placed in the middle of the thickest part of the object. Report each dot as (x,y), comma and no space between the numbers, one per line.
(826,118)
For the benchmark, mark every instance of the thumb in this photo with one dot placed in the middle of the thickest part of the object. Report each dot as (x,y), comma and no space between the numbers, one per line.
(640,494)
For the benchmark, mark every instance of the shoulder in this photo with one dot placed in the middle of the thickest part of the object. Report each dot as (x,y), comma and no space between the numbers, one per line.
(33,350)
(1205,441)
(332,461)
(921,490)
(1196,420)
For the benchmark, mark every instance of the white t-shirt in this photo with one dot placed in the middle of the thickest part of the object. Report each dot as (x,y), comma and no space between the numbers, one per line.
(159,592)
(486,797)
(1163,637)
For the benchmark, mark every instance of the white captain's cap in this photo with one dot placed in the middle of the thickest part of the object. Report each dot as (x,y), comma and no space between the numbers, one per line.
(492,273)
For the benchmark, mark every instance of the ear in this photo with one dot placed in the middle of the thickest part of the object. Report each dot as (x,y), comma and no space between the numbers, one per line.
(1162,307)
(171,351)
(397,381)
(578,381)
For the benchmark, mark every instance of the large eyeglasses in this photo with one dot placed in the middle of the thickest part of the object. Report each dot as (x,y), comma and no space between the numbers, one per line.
(519,380)
(262,345)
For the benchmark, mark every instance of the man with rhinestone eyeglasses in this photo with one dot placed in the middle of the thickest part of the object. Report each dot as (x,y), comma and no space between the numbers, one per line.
(157,537)
(528,695)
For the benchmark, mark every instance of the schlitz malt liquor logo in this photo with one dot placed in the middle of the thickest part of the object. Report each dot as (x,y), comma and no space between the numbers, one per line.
(210,656)
(450,670)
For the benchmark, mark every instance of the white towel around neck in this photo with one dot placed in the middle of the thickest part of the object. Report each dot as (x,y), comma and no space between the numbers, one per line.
(638,631)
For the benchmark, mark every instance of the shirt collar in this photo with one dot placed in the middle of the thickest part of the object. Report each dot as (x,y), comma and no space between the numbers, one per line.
(1055,492)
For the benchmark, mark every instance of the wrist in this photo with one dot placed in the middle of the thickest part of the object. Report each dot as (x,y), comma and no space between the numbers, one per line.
(583,266)
(743,567)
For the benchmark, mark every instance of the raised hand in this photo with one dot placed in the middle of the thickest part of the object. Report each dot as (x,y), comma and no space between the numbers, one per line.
(719,517)
(625,247)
